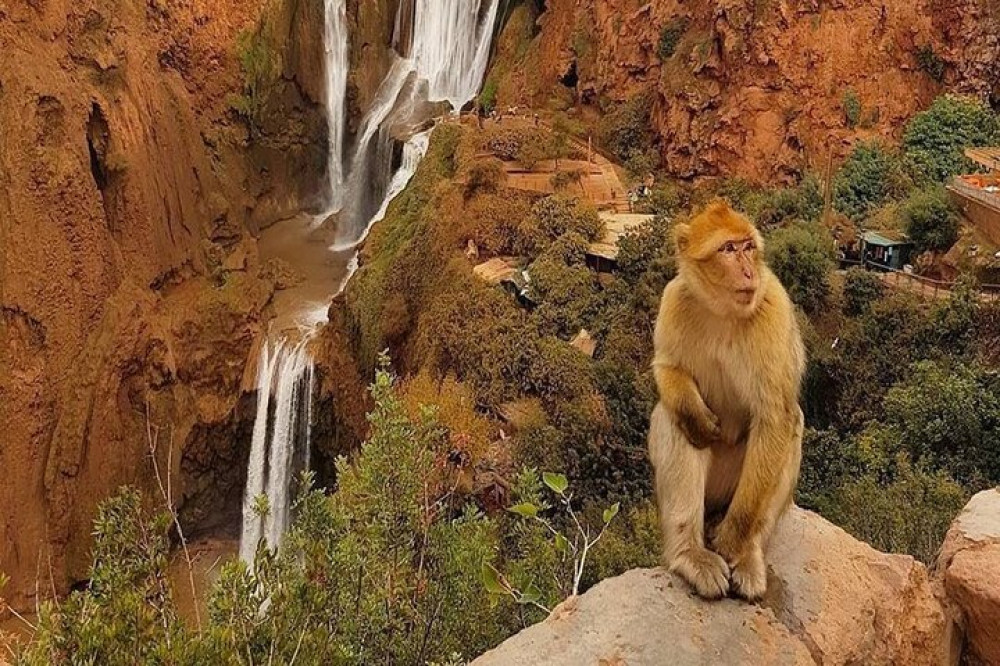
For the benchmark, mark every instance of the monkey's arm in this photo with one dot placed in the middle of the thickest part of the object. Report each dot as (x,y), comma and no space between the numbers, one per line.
(680,395)
(770,472)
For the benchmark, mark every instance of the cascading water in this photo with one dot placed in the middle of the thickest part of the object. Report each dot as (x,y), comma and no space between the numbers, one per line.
(336,52)
(451,46)
(280,445)
(443,48)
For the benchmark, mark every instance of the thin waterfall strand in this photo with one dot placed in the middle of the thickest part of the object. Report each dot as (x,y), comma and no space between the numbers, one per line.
(280,445)
(336,63)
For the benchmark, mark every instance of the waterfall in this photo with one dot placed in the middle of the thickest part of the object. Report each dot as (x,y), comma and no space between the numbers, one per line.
(445,47)
(451,46)
(336,64)
(280,445)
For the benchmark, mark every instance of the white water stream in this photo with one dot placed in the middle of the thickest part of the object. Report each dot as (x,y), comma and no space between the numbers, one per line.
(336,63)
(443,58)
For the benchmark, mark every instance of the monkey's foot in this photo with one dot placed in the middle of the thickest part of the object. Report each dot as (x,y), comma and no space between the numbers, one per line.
(705,571)
(749,576)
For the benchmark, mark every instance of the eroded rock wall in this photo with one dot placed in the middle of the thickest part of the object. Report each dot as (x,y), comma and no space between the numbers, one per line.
(129,292)
(757,89)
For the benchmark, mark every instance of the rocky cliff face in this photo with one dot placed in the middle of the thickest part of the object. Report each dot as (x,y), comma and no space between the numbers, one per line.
(129,290)
(757,89)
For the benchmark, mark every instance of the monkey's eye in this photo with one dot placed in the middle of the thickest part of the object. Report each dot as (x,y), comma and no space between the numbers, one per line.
(749,247)
(728,248)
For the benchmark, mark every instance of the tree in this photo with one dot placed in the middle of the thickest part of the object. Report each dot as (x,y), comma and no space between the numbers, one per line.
(931,220)
(935,138)
(801,255)
(861,289)
(870,176)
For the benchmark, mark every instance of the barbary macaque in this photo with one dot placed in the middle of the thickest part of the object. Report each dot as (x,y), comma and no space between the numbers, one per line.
(725,438)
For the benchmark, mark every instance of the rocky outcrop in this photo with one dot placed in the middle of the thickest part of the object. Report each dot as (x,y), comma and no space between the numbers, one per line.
(749,89)
(128,286)
(831,600)
(969,564)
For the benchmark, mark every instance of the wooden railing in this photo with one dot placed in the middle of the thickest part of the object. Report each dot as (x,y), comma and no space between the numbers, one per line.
(923,286)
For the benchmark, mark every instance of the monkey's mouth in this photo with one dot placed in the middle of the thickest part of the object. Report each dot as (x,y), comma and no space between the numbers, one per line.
(745,295)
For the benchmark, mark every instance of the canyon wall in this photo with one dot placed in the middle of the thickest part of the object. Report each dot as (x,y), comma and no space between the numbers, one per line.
(751,88)
(130,296)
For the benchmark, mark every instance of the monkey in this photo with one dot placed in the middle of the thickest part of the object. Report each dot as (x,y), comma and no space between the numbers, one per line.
(725,437)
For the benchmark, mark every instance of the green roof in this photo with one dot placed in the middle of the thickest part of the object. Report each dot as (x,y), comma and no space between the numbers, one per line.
(874,238)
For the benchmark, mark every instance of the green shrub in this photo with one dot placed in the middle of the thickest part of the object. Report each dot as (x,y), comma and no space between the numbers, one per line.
(852,108)
(488,96)
(627,131)
(909,514)
(801,255)
(931,220)
(935,138)
(932,64)
(861,289)
(484,176)
(670,37)
(870,176)
(947,418)
(773,207)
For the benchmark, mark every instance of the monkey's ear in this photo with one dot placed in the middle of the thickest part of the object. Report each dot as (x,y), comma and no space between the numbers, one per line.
(682,237)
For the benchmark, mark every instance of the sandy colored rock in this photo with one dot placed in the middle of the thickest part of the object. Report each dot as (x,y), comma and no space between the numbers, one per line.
(970,565)
(831,600)
(849,603)
(647,617)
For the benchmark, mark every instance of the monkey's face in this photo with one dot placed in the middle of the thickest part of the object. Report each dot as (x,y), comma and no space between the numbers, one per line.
(720,255)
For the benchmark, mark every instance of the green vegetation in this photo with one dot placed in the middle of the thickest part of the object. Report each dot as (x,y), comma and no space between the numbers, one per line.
(935,138)
(627,132)
(852,108)
(670,37)
(861,289)
(801,255)
(932,64)
(931,219)
(261,65)
(871,176)
(488,96)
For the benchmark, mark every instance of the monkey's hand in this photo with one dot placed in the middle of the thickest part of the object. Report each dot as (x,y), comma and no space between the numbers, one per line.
(699,424)
(682,399)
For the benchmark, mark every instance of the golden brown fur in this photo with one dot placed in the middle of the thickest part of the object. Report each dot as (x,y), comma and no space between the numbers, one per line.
(726,436)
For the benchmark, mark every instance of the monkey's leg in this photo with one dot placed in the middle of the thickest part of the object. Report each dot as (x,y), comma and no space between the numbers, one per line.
(765,489)
(681,472)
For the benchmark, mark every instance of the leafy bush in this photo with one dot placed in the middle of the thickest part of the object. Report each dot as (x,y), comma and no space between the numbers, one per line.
(935,138)
(852,108)
(870,176)
(947,418)
(931,220)
(626,131)
(553,216)
(929,61)
(801,255)
(861,289)
(908,514)
(484,176)
(670,37)
(773,207)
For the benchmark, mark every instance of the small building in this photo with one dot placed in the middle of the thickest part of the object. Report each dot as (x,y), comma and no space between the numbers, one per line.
(602,255)
(978,195)
(507,274)
(885,250)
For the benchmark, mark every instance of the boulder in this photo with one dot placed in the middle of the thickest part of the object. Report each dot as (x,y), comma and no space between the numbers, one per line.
(969,564)
(831,600)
